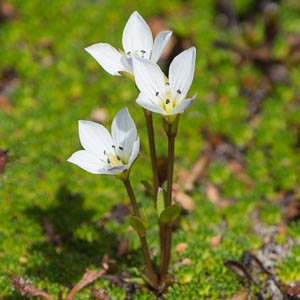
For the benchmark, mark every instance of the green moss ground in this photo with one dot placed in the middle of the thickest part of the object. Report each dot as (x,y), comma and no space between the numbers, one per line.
(57,83)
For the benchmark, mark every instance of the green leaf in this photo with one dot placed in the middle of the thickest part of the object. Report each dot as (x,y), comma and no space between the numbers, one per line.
(138,224)
(170,214)
(160,202)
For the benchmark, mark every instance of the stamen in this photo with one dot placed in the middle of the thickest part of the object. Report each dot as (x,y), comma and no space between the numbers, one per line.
(104,152)
(143,51)
(113,146)
(121,148)
(128,53)
(156,94)
(167,83)
(179,91)
(108,161)
(118,157)
(167,101)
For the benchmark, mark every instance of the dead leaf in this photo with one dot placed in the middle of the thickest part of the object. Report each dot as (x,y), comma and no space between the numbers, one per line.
(240,295)
(239,269)
(215,240)
(7,11)
(196,173)
(5,105)
(23,260)
(26,289)
(293,291)
(212,193)
(186,262)
(238,170)
(3,159)
(109,264)
(180,248)
(88,277)
(123,248)
(100,294)
(184,200)
(99,115)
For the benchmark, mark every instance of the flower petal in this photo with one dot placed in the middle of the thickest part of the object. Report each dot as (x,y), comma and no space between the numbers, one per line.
(108,57)
(135,151)
(180,108)
(88,162)
(160,44)
(149,78)
(181,72)
(117,169)
(124,134)
(137,36)
(94,138)
(146,103)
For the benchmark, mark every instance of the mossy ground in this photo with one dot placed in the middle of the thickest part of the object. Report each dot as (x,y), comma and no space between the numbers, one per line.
(53,83)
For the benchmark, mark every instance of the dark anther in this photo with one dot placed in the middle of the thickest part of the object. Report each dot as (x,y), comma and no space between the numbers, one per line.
(108,161)
(179,91)
(113,146)
(167,101)
(143,51)
(118,157)
(156,94)
(121,148)
(167,83)
(104,152)
(128,53)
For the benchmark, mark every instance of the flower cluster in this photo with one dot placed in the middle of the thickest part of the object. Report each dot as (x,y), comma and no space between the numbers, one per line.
(114,153)
(105,154)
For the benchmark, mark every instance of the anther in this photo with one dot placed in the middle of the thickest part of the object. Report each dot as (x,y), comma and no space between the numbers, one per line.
(113,146)
(121,148)
(108,161)
(118,157)
(143,51)
(128,53)
(179,91)
(104,152)
(167,101)
(167,83)
(156,94)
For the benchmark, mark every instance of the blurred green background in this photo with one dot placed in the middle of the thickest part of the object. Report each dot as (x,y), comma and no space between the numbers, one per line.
(56,220)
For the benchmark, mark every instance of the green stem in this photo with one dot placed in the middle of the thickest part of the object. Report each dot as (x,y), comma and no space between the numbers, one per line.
(151,141)
(166,229)
(151,274)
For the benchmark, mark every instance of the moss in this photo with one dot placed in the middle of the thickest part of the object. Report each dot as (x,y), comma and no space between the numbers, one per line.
(54,82)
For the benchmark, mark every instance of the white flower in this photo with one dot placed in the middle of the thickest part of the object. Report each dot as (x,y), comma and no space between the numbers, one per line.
(159,94)
(137,41)
(104,153)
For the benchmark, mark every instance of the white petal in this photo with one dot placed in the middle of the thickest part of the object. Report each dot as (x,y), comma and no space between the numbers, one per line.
(94,138)
(124,134)
(146,103)
(160,44)
(108,57)
(149,78)
(117,169)
(181,72)
(180,108)
(135,151)
(137,35)
(88,162)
